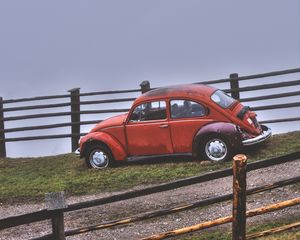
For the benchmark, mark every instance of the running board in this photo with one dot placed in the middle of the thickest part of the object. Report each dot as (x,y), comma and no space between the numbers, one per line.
(139,158)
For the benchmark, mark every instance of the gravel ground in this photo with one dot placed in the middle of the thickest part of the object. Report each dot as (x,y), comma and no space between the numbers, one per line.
(96,215)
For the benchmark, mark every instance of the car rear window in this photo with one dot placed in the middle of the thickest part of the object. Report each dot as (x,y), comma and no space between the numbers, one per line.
(222,99)
(186,109)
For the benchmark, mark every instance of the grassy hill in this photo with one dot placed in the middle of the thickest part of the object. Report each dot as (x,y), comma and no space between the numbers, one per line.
(28,179)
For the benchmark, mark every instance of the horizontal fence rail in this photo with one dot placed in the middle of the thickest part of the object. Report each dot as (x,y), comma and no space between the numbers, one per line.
(224,220)
(264,86)
(75,101)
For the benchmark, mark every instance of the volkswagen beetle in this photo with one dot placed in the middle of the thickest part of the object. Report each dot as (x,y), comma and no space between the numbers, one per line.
(193,119)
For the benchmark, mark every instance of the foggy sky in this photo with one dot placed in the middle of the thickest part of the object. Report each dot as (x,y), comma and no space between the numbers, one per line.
(49,47)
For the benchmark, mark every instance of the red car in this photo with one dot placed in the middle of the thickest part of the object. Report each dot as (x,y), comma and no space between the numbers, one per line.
(196,120)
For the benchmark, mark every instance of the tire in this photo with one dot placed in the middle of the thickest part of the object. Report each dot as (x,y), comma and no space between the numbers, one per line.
(99,157)
(216,148)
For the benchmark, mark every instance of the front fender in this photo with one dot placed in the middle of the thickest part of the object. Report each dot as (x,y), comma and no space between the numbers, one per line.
(114,145)
(224,129)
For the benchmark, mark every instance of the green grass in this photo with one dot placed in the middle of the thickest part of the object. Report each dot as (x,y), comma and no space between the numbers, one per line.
(28,179)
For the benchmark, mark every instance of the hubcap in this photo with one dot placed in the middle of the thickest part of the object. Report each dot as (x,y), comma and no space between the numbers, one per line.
(216,149)
(99,159)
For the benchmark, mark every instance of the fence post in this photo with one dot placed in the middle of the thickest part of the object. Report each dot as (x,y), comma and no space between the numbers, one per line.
(145,86)
(2,134)
(55,202)
(75,117)
(239,197)
(234,84)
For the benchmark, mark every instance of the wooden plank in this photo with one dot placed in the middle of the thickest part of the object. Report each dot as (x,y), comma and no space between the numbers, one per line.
(109,92)
(36,107)
(234,84)
(276,106)
(254,76)
(223,220)
(24,219)
(35,98)
(105,111)
(270,74)
(2,135)
(42,115)
(40,137)
(239,197)
(281,120)
(264,86)
(272,96)
(107,101)
(55,202)
(273,230)
(59,114)
(75,117)
(145,86)
(48,126)
(210,82)
(39,127)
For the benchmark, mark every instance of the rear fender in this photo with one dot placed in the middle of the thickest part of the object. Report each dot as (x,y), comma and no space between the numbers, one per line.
(113,144)
(227,130)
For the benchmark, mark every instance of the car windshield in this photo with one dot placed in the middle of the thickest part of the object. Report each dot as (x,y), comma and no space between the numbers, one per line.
(222,99)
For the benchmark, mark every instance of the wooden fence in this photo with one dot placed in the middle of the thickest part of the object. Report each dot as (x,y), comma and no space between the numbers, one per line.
(56,209)
(75,103)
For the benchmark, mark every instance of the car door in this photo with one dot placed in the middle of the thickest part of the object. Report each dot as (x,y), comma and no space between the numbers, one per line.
(147,130)
(186,118)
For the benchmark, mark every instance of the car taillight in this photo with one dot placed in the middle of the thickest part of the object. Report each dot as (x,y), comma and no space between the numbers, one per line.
(249,120)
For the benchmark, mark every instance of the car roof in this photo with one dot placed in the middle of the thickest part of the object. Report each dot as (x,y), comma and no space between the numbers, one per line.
(195,91)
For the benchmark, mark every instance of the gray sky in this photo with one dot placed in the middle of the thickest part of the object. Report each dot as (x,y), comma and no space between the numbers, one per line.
(49,47)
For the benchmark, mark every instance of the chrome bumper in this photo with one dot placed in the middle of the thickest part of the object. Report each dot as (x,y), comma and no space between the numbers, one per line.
(77,151)
(262,137)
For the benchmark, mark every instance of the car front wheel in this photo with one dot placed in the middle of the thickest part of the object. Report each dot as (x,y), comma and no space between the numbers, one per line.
(216,148)
(99,157)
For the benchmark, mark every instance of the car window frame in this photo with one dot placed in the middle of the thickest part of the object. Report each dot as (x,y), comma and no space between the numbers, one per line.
(207,110)
(152,120)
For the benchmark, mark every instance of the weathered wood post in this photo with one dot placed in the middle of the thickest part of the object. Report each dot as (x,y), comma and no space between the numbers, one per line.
(55,202)
(239,197)
(145,86)
(75,117)
(2,134)
(234,84)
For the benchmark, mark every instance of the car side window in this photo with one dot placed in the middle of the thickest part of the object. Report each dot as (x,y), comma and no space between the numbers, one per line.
(149,111)
(186,109)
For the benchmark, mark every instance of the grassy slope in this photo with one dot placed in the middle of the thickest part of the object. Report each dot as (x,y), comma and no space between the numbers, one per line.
(29,179)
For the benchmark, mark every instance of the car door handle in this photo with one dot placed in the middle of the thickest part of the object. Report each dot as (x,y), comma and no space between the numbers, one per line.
(164,126)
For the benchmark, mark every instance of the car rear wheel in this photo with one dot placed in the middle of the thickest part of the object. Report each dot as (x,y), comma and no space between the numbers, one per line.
(216,148)
(99,157)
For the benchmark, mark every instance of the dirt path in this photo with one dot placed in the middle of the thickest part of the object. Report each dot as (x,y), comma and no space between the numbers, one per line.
(137,230)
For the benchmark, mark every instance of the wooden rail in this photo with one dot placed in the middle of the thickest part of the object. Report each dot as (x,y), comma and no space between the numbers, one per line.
(73,101)
(223,220)
(273,230)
